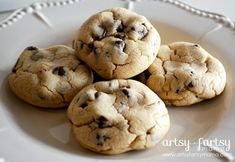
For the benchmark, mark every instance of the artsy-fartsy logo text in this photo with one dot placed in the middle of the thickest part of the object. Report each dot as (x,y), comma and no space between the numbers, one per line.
(202,144)
(177,142)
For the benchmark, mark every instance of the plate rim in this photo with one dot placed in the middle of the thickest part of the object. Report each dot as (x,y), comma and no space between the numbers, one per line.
(35,8)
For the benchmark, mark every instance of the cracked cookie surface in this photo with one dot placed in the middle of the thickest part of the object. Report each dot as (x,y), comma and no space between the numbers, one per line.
(49,77)
(184,73)
(112,117)
(117,43)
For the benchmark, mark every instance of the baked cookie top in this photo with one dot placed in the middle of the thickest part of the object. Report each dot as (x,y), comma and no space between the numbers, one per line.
(117,43)
(184,73)
(112,117)
(49,77)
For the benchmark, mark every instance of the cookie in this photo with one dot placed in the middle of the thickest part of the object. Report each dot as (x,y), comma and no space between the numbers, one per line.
(117,43)
(49,77)
(112,117)
(184,73)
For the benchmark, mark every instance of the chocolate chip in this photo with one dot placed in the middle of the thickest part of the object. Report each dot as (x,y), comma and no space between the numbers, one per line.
(78,45)
(147,74)
(120,36)
(42,97)
(96,52)
(190,85)
(148,132)
(97,136)
(133,28)
(103,34)
(142,31)
(120,28)
(84,105)
(120,44)
(99,37)
(31,48)
(191,73)
(177,90)
(91,46)
(196,45)
(96,37)
(102,122)
(14,68)
(126,92)
(101,139)
(34,51)
(59,71)
(97,94)
(36,57)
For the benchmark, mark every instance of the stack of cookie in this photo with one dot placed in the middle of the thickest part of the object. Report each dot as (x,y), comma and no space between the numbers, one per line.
(117,114)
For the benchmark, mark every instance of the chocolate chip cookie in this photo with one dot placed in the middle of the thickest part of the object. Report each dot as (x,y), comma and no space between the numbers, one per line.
(116,116)
(184,73)
(117,43)
(49,77)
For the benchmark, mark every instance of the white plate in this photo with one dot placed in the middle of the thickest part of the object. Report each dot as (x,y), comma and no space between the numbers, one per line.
(31,134)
